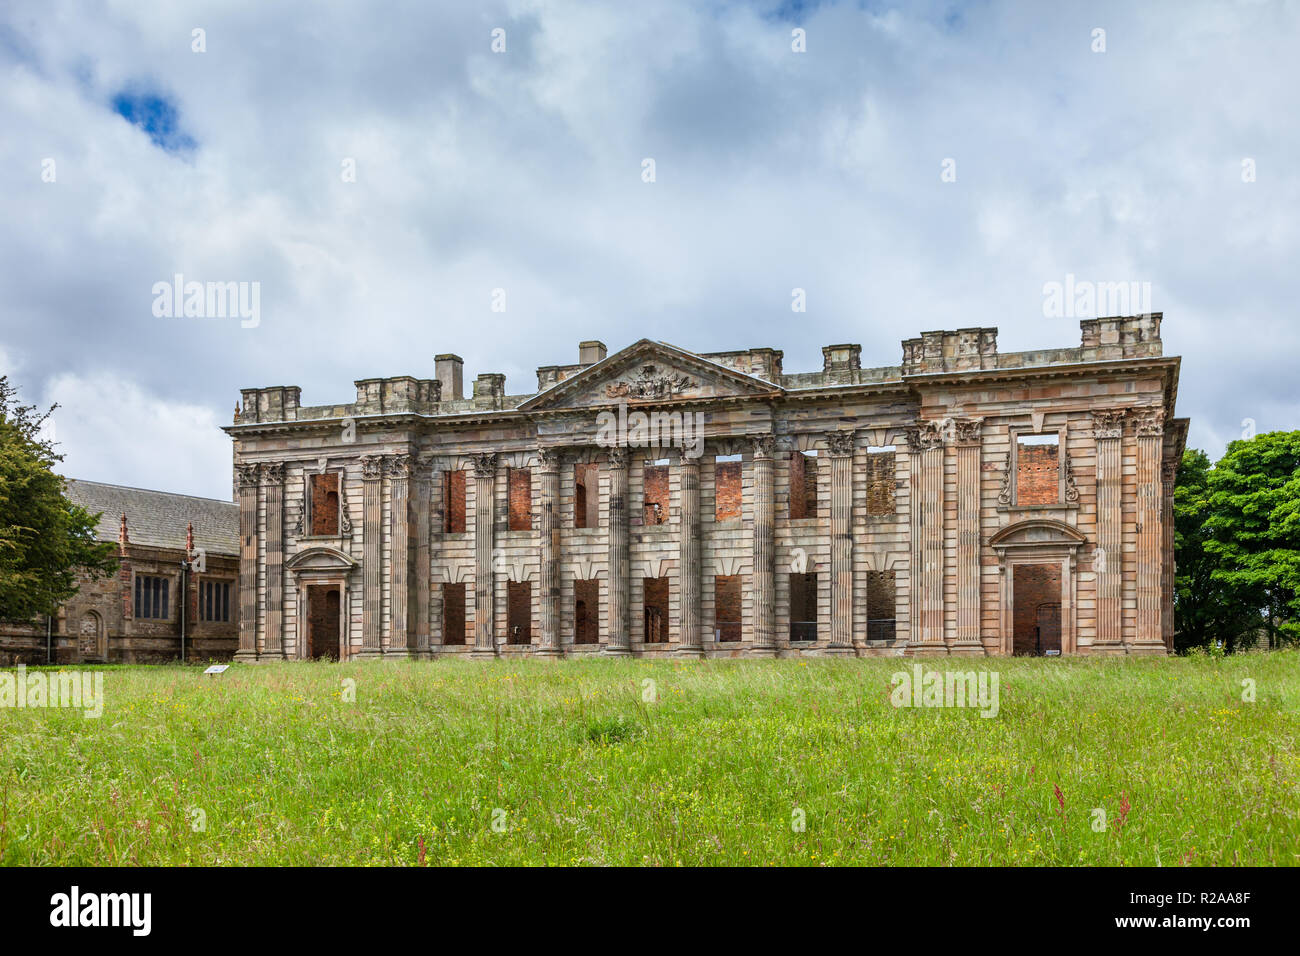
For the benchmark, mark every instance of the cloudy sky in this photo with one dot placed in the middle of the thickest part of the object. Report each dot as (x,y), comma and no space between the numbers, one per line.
(128,156)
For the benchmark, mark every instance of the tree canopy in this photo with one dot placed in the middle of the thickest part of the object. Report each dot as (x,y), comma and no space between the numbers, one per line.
(45,539)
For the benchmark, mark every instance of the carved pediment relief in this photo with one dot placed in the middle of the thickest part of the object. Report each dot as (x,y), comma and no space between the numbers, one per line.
(321,559)
(1037,533)
(649,372)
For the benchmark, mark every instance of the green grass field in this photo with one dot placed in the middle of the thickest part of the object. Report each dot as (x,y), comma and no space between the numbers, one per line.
(273,765)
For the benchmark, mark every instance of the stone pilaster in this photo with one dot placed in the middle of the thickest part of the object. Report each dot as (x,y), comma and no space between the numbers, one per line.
(1150,428)
(966,636)
(372,526)
(398,468)
(421,488)
(925,446)
(273,639)
(1108,432)
(689,566)
(764,548)
(1169,476)
(246,477)
(485,472)
(841,454)
(549,533)
(619,640)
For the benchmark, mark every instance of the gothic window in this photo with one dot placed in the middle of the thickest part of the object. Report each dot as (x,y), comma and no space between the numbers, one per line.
(214,601)
(151,597)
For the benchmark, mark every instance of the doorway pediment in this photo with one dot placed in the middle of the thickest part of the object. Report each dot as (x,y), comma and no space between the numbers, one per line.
(321,560)
(1037,533)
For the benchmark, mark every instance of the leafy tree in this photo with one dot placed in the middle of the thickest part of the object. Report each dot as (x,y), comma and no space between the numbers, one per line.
(1253,527)
(1205,609)
(45,540)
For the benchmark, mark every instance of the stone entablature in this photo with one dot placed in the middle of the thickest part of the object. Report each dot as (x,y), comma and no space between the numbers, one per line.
(869,511)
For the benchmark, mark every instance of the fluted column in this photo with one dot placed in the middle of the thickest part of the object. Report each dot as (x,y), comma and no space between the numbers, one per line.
(619,640)
(273,641)
(549,530)
(841,452)
(422,518)
(966,637)
(688,563)
(1108,432)
(1150,429)
(925,444)
(1169,475)
(485,470)
(399,584)
(372,524)
(248,480)
(764,548)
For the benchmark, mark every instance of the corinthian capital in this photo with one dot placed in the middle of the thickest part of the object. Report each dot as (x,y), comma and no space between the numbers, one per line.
(1108,422)
(485,465)
(840,443)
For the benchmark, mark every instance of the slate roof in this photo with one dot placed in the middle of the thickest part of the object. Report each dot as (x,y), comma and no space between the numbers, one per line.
(158,519)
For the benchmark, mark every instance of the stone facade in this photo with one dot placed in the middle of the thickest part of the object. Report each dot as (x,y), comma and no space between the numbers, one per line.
(966,501)
(108,621)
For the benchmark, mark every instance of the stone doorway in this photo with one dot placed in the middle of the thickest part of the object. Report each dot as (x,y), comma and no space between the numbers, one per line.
(92,645)
(323,609)
(1037,595)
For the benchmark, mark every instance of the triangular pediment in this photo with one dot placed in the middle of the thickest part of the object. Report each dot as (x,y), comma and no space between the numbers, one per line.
(650,373)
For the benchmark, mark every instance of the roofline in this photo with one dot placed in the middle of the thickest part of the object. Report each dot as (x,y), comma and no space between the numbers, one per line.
(152,491)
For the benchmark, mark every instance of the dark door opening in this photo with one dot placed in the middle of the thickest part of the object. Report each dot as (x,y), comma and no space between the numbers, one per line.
(323,623)
(1037,595)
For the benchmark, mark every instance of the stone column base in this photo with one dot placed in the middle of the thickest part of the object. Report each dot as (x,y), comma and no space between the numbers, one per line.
(245,657)
(967,649)
(689,652)
(369,653)
(483,654)
(611,650)
(762,652)
(549,653)
(840,650)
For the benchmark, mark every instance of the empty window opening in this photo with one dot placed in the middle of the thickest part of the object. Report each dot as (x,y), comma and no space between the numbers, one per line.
(880,481)
(655,483)
(521,499)
(586,611)
(726,487)
(727,599)
(324,503)
(1038,469)
(519,612)
(656,610)
(586,495)
(453,502)
(803,484)
(803,607)
(453,614)
(881,600)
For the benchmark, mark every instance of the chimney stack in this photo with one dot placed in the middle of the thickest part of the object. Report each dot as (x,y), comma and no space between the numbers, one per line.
(589,353)
(450,371)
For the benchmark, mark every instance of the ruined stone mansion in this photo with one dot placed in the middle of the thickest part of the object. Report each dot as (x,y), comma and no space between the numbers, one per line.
(658,501)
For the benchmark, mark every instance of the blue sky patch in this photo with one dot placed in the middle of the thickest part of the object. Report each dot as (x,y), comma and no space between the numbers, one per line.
(157,116)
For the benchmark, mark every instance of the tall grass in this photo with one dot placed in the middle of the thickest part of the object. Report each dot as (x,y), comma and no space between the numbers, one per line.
(733,762)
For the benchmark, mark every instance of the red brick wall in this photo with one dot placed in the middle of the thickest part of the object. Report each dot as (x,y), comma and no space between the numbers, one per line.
(453,505)
(586,611)
(453,613)
(881,606)
(726,490)
(803,485)
(803,606)
(519,612)
(323,622)
(656,494)
(1033,586)
(586,495)
(325,503)
(880,483)
(727,601)
(521,499)
(656,609)
(1037,475)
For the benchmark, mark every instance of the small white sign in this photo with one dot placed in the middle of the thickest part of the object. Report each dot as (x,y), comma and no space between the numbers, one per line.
(1052,653)
(217,669)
